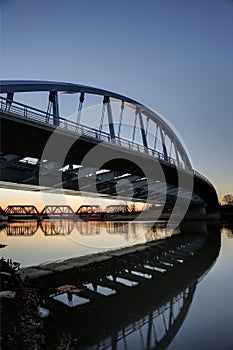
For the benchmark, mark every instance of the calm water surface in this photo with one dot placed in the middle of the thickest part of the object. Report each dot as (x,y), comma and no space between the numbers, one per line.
(197,314)
(33,243)
(208,323)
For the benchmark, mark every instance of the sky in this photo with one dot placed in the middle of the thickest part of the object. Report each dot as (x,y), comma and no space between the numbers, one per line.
(174,56)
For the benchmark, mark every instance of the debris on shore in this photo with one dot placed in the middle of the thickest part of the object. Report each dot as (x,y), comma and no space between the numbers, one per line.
(22,327)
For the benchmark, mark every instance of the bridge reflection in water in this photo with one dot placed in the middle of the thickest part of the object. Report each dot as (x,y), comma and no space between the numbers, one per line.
(27,228)
(35,242)
(154,330)
(52,228)
(145,315)
(65,227)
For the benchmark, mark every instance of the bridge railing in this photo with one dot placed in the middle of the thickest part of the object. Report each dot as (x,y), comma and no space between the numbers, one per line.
(26,112)
(196,173)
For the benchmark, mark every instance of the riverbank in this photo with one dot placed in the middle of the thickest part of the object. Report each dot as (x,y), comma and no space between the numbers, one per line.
(21,325)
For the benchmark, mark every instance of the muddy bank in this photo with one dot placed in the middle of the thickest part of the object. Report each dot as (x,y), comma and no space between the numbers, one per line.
(21,324)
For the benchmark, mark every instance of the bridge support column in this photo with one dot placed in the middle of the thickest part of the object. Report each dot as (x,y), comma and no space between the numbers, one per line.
(110,118)
(81,100)
(176,152)
(53,99)
(163,143)
(9,99)
(196,211)
(121,116)
(156,135)
(144,140)
(194,227)
(135,123)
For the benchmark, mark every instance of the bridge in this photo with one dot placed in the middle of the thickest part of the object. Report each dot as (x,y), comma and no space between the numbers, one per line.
(127,150)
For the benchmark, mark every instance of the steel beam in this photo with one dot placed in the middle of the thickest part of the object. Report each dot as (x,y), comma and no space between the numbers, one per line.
(144,139)
(53,98)
(9,159)
(110,120)
(163,144)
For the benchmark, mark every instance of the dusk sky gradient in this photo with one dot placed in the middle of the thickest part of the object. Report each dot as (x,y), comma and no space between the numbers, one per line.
(174,56)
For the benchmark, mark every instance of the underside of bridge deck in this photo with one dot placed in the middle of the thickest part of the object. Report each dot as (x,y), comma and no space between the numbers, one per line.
(128,169)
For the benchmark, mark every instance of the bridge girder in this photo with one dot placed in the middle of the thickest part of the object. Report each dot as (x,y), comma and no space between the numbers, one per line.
(105,181)
(21,210)
(53,88)
(57,210)
(18,119)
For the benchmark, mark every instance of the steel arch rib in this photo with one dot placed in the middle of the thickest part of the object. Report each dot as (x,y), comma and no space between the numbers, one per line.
(14,86)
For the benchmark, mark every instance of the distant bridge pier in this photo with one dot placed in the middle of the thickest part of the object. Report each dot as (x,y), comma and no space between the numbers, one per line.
(3,216)
(196,211)
(194,227)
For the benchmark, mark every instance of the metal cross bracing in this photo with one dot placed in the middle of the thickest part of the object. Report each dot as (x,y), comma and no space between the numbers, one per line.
(89,210)
(52,211)
(106,181)
(2,211)
(114,208)
(169,142)
(148,135)
(30,211)
(27,171)
(145,120)
(21,210)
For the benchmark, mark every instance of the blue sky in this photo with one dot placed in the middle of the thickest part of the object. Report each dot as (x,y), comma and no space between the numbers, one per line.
(175,56)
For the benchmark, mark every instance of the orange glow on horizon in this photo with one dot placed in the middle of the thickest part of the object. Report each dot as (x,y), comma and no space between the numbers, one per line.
(20,197)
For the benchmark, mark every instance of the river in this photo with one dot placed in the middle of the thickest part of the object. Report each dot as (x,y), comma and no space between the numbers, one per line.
(191,309)
(208,323)
(33,242)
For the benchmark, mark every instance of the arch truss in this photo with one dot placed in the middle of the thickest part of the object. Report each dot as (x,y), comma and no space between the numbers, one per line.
(148,133)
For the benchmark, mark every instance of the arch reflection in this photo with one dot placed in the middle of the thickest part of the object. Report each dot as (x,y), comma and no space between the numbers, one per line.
(143,315)
(55,228)
(88,228)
